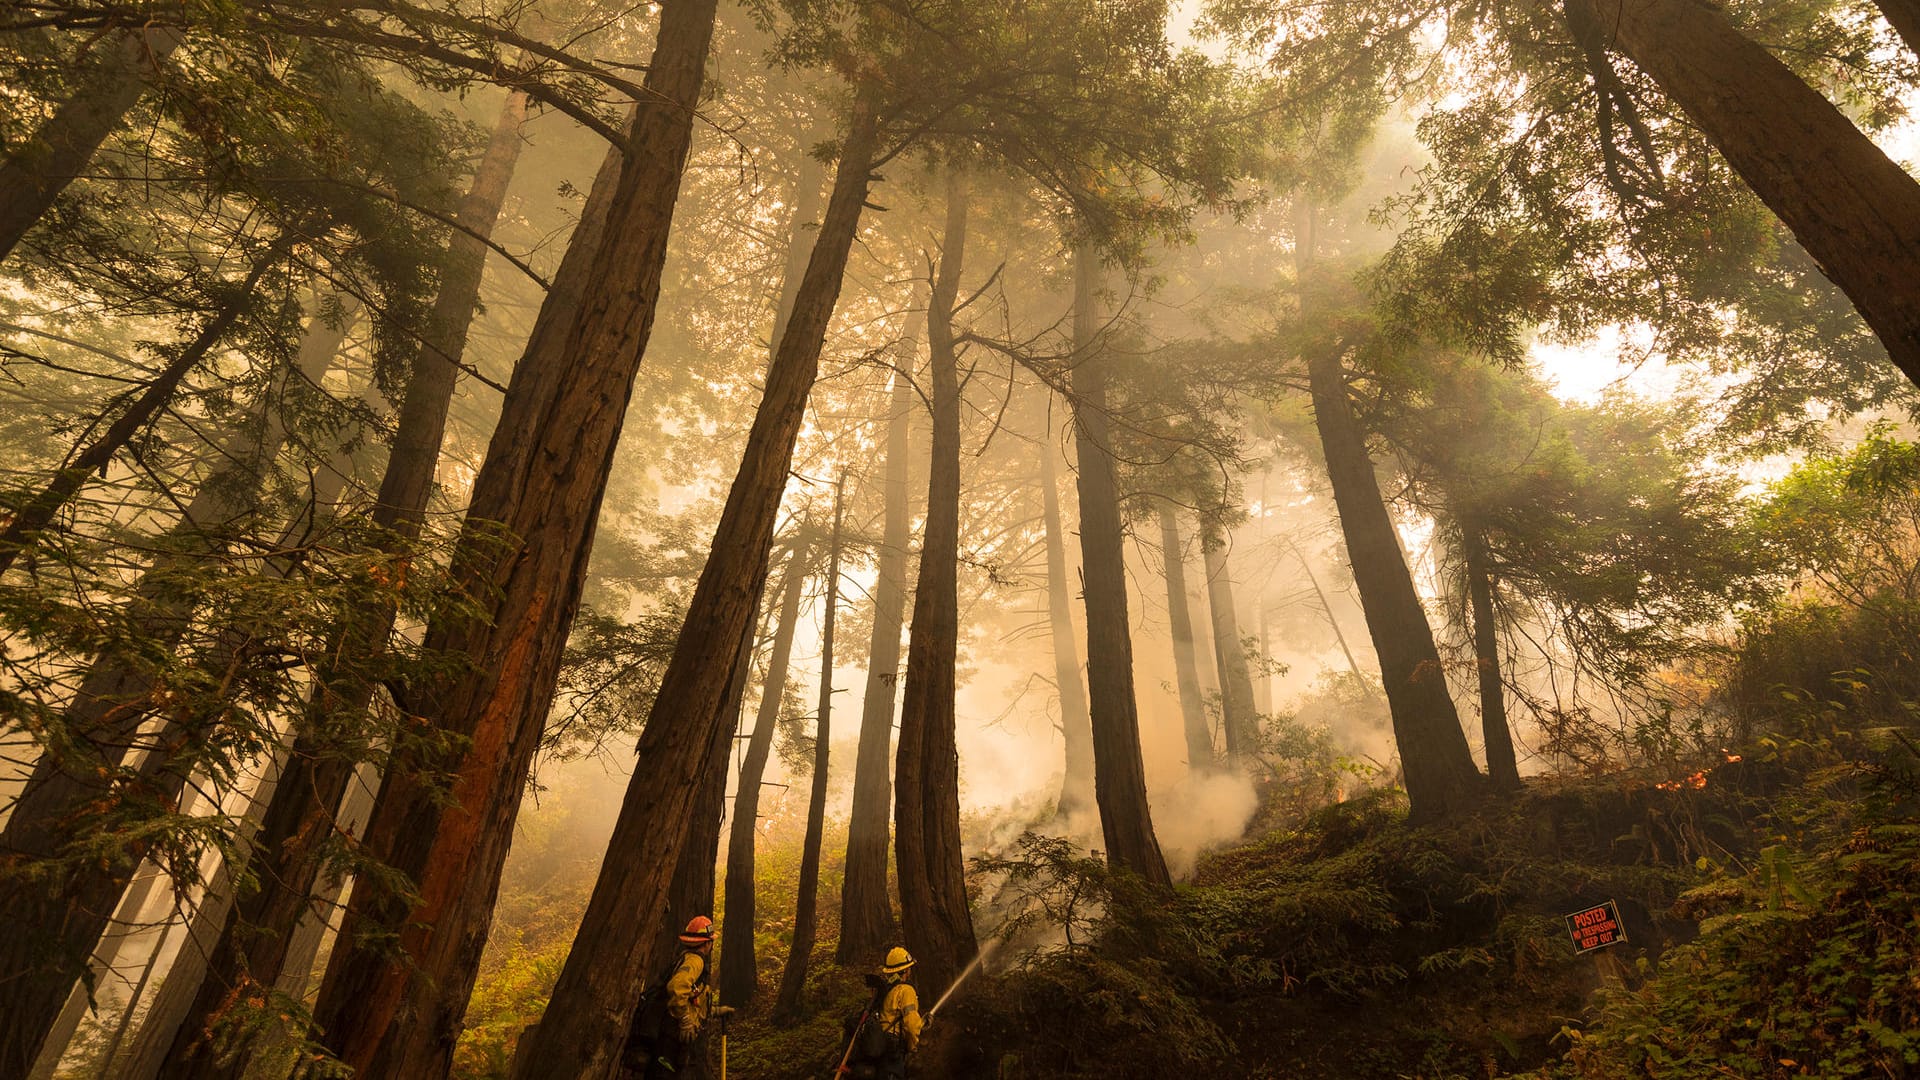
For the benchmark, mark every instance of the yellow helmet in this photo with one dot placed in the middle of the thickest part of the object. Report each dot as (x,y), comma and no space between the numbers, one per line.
(898,960)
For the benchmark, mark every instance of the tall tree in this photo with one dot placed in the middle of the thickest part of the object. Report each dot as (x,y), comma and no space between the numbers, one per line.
(933,900)
(1076,724)
(739,971)
(1440,775)
(253,945)
(60,917)
(1120,778)
(541,484)
(1503,767)
(1230,651)
(1854,209)
(1185,659)
(580,1033)
(866,912)
(793,979)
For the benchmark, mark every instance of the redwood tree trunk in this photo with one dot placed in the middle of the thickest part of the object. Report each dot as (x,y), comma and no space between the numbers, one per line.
(1904,17)
(866,913)
(1229,653)
(1503,766)
(793,980)
(542,482)
(1852,207)
(1193,711)
(1434,757)
(691,891)
(33,177)
(739,976)
(739,970)
(253,946)
(1440,774)
(54,921)
(580,1035)
(1076,725)
(933,891)
(1126,821)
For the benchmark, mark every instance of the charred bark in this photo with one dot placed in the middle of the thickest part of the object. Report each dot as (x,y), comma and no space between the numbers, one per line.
(1854,209)
(739,971)
(866,912)
(1503,767)
(581,1032)
(933,898)
(1193,712)
(793,980)
(1076,724)
(1120,777)
(32,177)
(546,470)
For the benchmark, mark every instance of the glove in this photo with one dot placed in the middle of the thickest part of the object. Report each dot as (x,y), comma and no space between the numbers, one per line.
(689,1028)
(723,1011)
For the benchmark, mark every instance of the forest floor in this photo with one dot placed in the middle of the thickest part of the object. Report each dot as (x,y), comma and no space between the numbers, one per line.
(1357,945)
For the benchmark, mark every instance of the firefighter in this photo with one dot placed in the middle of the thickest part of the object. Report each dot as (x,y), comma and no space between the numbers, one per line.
(667,1027)
(898,1016)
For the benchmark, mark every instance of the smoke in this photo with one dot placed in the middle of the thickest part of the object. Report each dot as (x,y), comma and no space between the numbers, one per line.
(1202,811)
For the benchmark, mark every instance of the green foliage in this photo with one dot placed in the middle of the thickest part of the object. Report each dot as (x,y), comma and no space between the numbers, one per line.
(1807,971)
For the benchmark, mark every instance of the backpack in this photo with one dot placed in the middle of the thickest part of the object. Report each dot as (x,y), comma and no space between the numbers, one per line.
(650,1019)
(876,1043)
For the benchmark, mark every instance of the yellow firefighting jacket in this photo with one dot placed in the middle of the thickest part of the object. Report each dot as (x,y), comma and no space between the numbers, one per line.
(687,995)
(900,1014)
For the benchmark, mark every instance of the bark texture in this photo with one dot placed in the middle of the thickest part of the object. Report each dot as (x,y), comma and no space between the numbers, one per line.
(1193,713)
(1126,821)
(866,912)
(34,175)
(580,1035)
(1854,209)
(540,486)
(793,979)
(691,892)
(739,970)
(1503,766)
(933,892)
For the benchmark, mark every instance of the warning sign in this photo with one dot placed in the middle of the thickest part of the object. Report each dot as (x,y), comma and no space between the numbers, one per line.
(1596,928)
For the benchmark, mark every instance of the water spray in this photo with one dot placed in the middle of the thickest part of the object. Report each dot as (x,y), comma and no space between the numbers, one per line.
(978,958)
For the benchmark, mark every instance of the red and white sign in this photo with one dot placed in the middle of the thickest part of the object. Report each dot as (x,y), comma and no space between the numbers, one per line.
(1596,928)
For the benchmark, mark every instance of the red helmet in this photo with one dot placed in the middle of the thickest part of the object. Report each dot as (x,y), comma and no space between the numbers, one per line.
(699,931)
